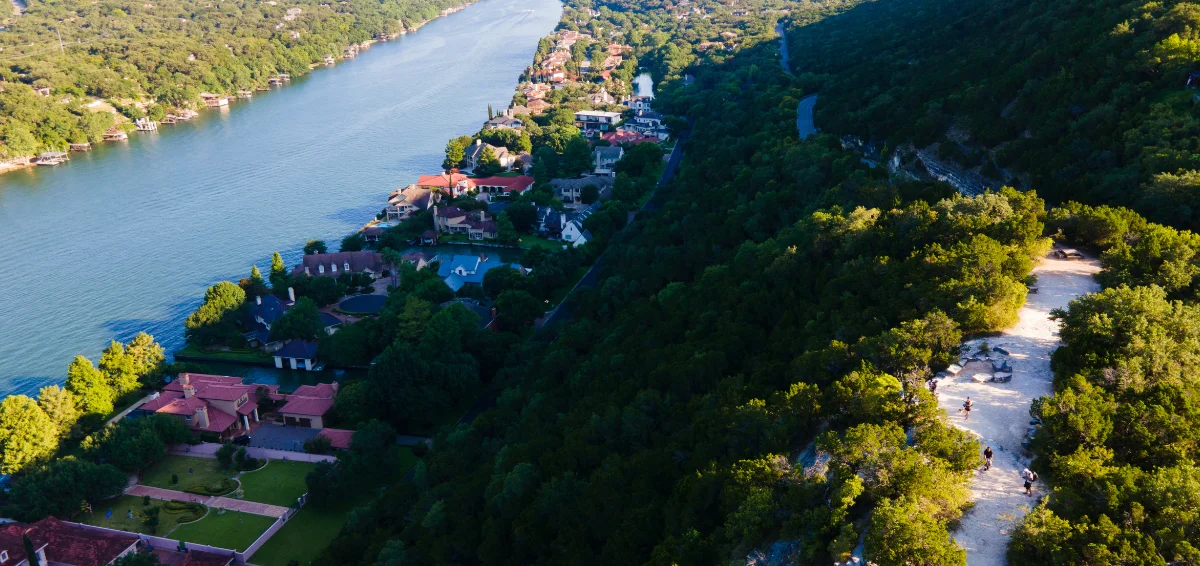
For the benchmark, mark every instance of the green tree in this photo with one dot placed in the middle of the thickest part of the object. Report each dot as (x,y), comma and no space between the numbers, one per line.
(505,232)
(214,321)
(488,163)
(500,279)
(147,356)
(95,394)
(589,194)
(314,247)
(523,216)
(27,434)
(456,151)
(279,274)
(517,309)
(225,454)
(577,156)
(255,285)
(61,406)
(353,243)
(301,322)
(901,534)
(119,369)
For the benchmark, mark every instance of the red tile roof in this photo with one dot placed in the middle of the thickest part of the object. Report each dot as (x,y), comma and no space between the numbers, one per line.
(223,392)
(307,406)
(320,391)
(338,438)
(442,180)
(68,543)
(519,183)
(247,408)
(171,557)
(218,421)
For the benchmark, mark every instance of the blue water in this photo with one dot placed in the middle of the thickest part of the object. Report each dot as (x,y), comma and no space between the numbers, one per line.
(126,238)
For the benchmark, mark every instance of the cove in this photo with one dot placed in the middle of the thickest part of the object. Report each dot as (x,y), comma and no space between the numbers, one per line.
(125,238)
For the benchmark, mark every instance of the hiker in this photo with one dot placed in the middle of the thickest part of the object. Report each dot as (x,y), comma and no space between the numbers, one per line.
(1029,477)
(987,458)
(933,386)
(967,409)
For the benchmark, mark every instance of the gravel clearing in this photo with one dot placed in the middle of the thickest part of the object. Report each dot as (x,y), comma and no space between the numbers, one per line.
(1000,414)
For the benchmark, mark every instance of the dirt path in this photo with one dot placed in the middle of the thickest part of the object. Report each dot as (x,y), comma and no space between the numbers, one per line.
(1000,417)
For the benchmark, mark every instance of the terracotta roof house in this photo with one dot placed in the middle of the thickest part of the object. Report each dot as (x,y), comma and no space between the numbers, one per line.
(208,403)
(626,138)
(297,354)
(506,186)
(340,263)
(403,202)
(57,542)
(307,405)
(453,182)
(538,106)
(339,439)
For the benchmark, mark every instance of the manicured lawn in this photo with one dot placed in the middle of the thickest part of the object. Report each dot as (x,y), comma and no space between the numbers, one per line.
(120,515)
(280,483)
(204,471)
(235,355)
(307,533)
(232,530)
(529,242)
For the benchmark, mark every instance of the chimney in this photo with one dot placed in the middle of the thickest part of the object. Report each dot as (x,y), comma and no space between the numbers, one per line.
(335,388)
(185,379)
(258,300)
(202,417)
(478,142)
(188,391)
(493,312)
(292,292)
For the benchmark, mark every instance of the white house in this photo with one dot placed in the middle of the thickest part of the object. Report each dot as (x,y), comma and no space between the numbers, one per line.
(594,122)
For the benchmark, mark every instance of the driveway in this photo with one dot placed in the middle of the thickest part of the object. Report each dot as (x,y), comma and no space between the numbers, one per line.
(276,437)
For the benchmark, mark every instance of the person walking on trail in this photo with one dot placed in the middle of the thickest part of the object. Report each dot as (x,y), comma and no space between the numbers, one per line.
(987,458)
(1029,477)
(967,409)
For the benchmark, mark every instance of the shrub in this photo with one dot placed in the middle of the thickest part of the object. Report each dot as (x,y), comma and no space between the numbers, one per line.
(318,445)
(222,487)
(145,500)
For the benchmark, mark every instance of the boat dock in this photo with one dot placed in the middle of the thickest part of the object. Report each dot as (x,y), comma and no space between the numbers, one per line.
(52,158)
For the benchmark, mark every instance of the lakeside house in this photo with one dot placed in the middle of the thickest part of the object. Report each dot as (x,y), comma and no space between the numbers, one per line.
(213,100)
(593,122)
(475,151)
(506,120)
(565,226)
(403,202)
(420,260)
(476,224)
(218,404)
(340,263)
(605,160)
(307,405)
(450,182)
(266,310)
(505,186)
(297,354)
(462,270)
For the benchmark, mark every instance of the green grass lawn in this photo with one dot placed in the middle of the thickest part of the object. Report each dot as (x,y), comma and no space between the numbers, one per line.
(232,530)
(233,355)
(529,242)
(204,471)
(280,483)
(120,516)
(307,533)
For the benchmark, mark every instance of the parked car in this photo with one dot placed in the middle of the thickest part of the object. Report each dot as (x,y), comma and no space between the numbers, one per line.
(243,440)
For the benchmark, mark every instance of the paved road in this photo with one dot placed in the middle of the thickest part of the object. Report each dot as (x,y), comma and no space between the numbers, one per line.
(219,502)
(804,116)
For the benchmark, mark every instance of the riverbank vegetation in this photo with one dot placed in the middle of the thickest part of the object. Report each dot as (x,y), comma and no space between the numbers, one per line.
(67,67)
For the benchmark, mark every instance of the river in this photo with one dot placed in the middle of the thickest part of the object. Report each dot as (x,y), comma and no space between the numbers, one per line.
(125,238)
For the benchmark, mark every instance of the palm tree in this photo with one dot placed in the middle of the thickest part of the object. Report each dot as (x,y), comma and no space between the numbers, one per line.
(393,258)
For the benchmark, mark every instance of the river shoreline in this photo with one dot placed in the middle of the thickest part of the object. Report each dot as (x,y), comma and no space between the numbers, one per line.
(27,161)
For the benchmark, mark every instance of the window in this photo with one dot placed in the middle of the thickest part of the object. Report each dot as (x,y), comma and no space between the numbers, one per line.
(320,269)
(187,418)
(333,267)
(346,266)
(3,556)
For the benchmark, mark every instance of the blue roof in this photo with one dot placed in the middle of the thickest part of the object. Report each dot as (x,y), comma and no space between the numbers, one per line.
(464,269)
